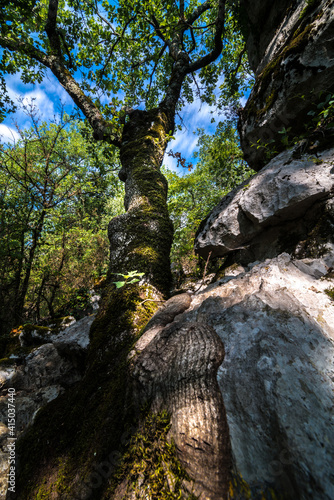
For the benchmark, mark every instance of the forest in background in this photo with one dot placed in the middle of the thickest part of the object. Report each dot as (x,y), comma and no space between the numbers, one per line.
(59,190)
(60,186)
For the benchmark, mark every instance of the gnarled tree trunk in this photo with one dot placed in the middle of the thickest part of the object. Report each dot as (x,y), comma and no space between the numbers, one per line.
(141,239)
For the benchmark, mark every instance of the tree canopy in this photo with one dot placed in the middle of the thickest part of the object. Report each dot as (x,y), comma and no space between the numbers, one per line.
(132,53)
(130,66)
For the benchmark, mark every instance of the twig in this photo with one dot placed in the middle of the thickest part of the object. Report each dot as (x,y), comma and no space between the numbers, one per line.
(205,268)
(151,300)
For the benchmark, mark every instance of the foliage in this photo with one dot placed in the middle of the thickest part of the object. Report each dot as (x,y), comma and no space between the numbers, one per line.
(125,51)
(220,168)
(131,277)
(56,192)
(142,61)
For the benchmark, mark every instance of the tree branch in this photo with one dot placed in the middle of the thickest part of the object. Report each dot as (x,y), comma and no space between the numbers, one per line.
(155,67)
(120,36)
(218,41)
(84,103)
(182,10)
(156,26)
(51,28)
(198,12)
(236,69)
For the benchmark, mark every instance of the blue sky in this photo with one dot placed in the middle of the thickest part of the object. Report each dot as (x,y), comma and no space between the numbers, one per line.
(48,95)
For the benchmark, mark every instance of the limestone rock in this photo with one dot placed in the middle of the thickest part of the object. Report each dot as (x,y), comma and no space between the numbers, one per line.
(36,335)
(73,340)
(40,376)
(277,326)
(285,198)
(294,75)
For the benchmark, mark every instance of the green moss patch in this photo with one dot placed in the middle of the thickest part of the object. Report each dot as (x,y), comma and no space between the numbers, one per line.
(330,293)
(150,466)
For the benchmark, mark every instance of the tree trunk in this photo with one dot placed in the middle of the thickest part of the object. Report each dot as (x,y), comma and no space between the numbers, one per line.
(141,238)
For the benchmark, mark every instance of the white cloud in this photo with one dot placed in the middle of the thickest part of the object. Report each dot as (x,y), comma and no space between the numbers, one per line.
(8,134)
(47,98)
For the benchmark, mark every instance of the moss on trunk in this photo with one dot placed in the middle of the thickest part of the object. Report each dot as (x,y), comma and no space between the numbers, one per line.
(141,239)
(73,447)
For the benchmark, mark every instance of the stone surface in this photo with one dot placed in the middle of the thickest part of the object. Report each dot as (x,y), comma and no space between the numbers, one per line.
(286,197)
(294,74)
(74,338)
(277,326)
(276,22)
(40,377)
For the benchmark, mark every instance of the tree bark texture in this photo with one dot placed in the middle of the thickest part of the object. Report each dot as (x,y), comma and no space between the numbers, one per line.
(177,371)
(141,239)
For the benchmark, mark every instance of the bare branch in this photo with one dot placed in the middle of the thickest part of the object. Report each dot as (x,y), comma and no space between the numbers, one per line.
(197,86)
(155,67)
(239,63)
(182,10)
(113,48)
(105,20)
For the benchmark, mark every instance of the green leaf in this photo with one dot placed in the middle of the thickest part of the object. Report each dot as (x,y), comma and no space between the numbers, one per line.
(119,284)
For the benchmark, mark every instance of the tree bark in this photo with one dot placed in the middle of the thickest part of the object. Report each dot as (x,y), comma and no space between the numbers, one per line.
(141,238)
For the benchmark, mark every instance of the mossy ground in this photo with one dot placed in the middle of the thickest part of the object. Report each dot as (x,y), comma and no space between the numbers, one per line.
(76,432)
(150,467)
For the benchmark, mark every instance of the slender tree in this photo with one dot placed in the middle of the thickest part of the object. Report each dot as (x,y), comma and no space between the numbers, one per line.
(145,59)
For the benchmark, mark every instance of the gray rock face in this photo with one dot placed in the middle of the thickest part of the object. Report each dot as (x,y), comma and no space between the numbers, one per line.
(277,326)
(296,71)
(285,198)
(268,15)
(39,378)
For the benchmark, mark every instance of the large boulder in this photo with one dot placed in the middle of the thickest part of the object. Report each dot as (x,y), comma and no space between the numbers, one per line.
(293,57)
(273,426)
(276,321)
(287,206)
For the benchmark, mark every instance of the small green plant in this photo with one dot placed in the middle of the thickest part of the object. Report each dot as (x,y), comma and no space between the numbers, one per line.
(132,277)
(268,147)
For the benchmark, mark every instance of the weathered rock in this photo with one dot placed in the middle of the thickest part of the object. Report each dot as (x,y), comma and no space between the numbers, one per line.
(72,342)
(295,74)
(277,326)
(273,211)
(40,376)
(260,19)
(35,335)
